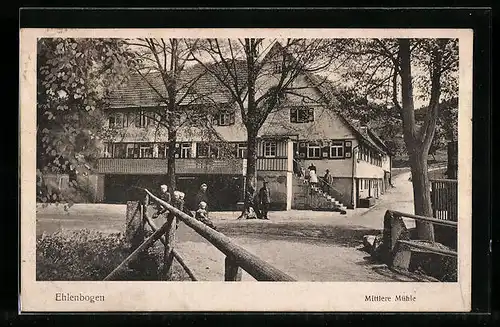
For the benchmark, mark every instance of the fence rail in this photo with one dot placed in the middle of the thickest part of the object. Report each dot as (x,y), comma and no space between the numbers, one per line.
(444,198)
(237,258)
(399,245)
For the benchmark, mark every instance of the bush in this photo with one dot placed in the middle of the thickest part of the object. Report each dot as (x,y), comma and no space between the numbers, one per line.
(87,255)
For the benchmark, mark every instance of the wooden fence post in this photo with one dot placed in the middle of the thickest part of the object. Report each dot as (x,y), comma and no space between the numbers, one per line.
(232,272)
(134,231)
(168,257)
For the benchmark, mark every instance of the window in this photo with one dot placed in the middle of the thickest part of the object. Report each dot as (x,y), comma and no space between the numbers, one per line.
(206,150)
(269,149)
(117,120)
(202,150)
(337,149)
(142,119)
(313,150)
(301,115)
(108,150)
(145,151)
(185,151)
(162,150)
(224,118)
(214,151)
(132,150)
(120,150)
(241,150)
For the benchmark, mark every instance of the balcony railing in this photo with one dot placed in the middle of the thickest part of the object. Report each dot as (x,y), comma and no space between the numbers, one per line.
(232,166)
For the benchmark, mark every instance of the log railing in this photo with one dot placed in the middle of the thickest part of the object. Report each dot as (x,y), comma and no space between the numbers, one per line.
(329,188)
(398,243)
(237,258)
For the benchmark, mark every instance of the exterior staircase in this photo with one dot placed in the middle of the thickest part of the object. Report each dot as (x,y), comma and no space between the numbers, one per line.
(307,196)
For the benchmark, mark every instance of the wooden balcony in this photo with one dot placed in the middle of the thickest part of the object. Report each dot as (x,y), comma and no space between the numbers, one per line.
(272,164)
(183,166)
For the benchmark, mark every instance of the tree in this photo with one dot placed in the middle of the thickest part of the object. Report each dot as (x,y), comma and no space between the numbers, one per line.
(259,74)
(184,100)
(74,77)
(404,70)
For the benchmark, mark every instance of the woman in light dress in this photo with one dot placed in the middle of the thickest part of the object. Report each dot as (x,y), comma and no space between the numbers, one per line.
(313,178)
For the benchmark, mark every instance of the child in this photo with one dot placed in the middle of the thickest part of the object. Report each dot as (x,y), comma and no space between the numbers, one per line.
(202,215)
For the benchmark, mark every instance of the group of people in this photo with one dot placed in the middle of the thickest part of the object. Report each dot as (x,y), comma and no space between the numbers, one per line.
(312,174)
(257,204)
(198,208)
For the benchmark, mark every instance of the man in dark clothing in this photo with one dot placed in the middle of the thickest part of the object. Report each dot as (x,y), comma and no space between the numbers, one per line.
(201,196)
(297,169)
(264,200)
(165,196)
(327,181)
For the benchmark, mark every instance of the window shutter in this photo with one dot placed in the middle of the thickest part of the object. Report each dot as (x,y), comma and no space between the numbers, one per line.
(310,113)
(348,149)
(302,149)
(325,151)
(231,118)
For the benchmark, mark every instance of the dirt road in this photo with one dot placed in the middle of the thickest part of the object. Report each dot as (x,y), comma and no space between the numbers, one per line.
(309,245)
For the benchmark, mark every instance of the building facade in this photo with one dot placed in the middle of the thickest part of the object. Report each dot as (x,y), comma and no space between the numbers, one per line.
(304,128)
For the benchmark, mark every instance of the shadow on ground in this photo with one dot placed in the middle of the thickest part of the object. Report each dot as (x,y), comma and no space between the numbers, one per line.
(343,235)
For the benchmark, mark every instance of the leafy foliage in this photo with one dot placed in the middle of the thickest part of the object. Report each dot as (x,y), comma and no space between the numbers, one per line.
(74,76)
(87,255)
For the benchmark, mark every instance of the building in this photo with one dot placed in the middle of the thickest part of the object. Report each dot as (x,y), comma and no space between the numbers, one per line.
(306,123)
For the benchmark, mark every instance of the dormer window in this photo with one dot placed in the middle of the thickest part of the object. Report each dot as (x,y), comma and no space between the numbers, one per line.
(301,115)
(224,118)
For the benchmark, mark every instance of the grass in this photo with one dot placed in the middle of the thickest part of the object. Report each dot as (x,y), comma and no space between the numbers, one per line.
(89,255)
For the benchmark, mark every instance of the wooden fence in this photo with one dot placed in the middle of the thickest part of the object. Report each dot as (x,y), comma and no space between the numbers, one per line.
(399,244)
(237,258)
(444,198)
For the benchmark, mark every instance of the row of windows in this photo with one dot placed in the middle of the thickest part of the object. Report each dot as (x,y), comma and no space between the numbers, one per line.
(183,150)
(334,149)
(309,150)
(370,156)
(144,118)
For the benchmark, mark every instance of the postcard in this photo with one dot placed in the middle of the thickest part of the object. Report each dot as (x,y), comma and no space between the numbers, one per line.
(246,170)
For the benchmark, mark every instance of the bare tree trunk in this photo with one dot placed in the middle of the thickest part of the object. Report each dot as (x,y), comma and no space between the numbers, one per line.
(251,171)
(418,154)
(421,193)
(251,177)
(172,139)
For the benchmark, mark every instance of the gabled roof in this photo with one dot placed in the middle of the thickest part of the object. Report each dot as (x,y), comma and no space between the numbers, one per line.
(328,91)
(148,89)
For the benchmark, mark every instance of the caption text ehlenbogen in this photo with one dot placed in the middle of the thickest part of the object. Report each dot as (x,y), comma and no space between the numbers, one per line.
(67,297)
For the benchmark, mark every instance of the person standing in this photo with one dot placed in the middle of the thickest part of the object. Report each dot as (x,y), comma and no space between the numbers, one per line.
(313,178)
(328,180)
(201,196)
(297,169)
(264,200)
(165,196)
